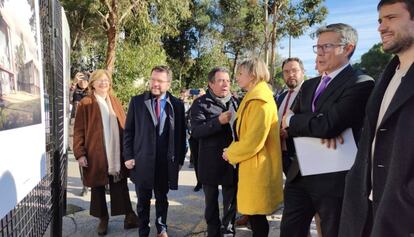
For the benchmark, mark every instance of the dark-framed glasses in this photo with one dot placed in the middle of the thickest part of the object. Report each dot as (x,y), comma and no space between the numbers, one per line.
(325,47)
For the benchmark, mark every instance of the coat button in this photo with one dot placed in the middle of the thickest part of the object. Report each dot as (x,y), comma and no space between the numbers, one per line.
(382,129)
(380,166)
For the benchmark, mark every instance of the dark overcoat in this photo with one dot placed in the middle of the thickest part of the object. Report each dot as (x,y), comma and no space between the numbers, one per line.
(393,166)
(213,137)
(140,139)
(88,140)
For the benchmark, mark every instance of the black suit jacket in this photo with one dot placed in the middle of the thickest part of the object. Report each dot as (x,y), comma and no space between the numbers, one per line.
(213,137)
(339,107)
(393,167)
(140,136)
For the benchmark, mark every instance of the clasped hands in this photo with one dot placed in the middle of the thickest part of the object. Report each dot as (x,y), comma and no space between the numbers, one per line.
(329,142)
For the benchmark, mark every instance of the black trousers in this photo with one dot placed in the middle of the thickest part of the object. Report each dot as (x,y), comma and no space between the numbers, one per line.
(120,201)
(161,201)
(259,225)
(194,155)
(300,205)
(212,213)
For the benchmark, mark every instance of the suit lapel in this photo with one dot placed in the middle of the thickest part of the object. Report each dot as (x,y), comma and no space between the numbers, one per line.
(280,98)
(404,92)
(308,97)
(375,100)
(148,104)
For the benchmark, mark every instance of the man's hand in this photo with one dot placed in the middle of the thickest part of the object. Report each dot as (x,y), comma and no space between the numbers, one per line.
(224,156)
(331,142)
(83,162)
(225,117)
(130,164)
(284,119)
(283,133)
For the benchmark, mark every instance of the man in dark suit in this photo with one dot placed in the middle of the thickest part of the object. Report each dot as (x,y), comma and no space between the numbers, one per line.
(154,146)
(293,75)
(211,125)
(379,193)
(325,107)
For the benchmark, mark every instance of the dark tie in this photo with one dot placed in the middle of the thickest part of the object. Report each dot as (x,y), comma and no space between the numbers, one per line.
(283,142)
(321,88)
(287,102)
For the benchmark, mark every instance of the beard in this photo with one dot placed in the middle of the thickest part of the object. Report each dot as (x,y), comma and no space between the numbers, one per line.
(400,44)
(292,84)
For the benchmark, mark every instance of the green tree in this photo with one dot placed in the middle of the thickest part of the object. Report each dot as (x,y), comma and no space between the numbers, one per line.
(292,20)
(374,61)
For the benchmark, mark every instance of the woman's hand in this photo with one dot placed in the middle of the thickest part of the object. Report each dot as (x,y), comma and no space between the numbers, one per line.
(83,162)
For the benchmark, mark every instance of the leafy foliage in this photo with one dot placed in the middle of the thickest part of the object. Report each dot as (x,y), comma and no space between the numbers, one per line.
(374,61)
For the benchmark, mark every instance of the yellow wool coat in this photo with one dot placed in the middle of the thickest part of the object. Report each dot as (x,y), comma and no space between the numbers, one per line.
(258,153)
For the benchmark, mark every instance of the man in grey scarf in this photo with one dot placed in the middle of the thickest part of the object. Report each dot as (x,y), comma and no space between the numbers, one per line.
(211,123)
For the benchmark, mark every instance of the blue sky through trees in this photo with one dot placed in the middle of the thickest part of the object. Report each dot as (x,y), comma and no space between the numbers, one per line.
(360,14)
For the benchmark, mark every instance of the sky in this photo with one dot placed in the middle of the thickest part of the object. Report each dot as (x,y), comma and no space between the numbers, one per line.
(360,14)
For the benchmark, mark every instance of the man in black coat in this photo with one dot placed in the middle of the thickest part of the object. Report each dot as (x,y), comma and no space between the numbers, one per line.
(154,147)
(293,76)
(211,121)
(379,193)
(325,107)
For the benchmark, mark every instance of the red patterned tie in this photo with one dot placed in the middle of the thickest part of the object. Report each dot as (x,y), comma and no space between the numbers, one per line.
(283,141)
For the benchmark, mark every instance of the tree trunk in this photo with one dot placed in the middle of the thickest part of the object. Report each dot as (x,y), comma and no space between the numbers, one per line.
(236,57)
(111,33)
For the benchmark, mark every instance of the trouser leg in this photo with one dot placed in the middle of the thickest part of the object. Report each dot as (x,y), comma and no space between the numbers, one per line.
(229,208)
(161,209)
(98,207)
(120,200)
(297,213)
(211,212)
(260,226)
(143,210)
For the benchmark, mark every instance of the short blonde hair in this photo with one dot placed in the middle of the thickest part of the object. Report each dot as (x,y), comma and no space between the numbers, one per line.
(256,68)
(96,75)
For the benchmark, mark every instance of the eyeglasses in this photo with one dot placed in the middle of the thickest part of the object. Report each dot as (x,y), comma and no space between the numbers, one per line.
(102,81)
(294,71)
(158,81)
(325,47)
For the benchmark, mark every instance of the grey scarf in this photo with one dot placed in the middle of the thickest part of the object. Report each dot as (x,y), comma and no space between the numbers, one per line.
(222,100)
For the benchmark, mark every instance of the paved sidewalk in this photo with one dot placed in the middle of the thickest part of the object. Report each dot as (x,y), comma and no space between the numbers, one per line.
(185,214)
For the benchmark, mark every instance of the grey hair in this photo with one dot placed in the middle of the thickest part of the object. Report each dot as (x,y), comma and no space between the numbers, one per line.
(348,34)
(212,73)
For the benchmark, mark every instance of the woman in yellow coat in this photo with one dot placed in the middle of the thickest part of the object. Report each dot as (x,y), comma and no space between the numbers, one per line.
(256,149)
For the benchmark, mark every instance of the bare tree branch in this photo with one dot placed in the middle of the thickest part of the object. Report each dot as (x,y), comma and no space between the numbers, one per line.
(128,11)
(104,19)
(105,2)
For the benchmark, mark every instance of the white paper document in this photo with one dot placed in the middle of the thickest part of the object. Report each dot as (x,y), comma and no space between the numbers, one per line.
(316,158)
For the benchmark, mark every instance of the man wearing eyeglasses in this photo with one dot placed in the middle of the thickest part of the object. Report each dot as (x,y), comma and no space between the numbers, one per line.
(325,107)
(293,76)
(154,147)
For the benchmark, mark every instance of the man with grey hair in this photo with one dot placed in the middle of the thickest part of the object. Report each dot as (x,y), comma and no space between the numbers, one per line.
(325,107)
(211,123)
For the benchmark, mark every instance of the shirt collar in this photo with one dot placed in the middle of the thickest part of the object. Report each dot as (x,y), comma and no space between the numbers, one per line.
(335,73)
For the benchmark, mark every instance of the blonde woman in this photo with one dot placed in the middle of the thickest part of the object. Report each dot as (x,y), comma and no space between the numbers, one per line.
(97,139)
(256,149)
